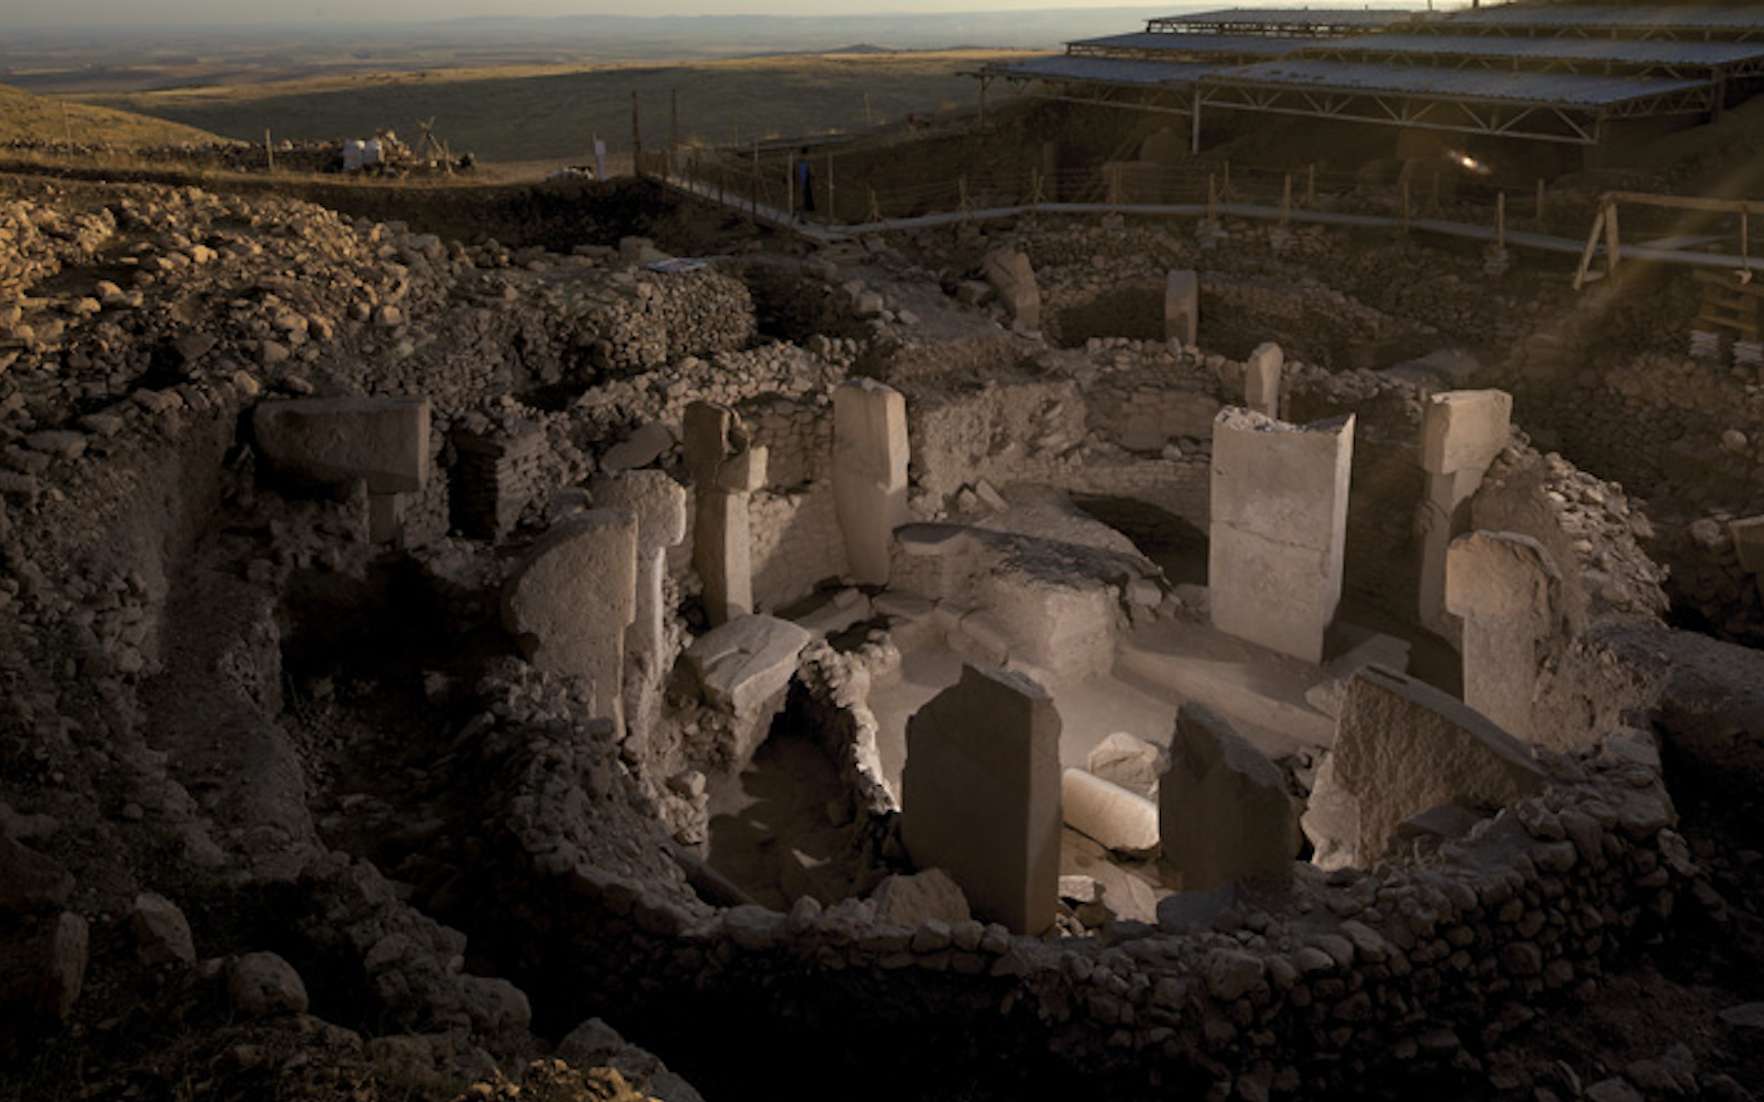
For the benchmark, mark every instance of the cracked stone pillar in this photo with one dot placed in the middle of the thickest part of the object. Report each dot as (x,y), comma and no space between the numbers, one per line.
(659,504)
(1261,379)
(1461,433)
(571,599)
(1182,307)
(726,468)
(1505,589)
(1278,528)
(869,474)
(980,795)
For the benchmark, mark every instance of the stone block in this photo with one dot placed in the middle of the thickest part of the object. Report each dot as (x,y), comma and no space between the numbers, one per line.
(869,474)
(571,599)
(1278,528)
(981,795)
(1128,761)
(1182,307)
(335,440)
(1506,589)
(722,550)
(1261,379)
(1118,819)
(1402,747)
(1442,516)
(746,662)
(1465,429)
(1012,276)
(1224,815)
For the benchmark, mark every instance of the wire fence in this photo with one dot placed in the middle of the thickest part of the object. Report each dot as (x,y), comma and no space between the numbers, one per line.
(768,182)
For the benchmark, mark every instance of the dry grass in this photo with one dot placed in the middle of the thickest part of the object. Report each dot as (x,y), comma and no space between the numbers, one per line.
(41,118)
(532,113)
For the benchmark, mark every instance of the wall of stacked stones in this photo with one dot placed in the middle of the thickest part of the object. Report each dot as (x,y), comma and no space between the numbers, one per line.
(1407,964)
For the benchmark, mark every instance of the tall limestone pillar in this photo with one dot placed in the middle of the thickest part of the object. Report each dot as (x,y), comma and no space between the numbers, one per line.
(726,468)
(869,473)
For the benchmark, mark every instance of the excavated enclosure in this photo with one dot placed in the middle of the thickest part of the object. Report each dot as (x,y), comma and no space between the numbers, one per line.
(369,746)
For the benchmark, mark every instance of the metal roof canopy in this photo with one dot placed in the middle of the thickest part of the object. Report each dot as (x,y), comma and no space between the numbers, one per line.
(1153,45)
(1660,21)
(1674,60)
(1104,70)
(1313,21)
(1538,106)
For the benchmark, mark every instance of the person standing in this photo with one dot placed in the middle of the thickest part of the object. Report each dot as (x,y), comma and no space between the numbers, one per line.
(805,181)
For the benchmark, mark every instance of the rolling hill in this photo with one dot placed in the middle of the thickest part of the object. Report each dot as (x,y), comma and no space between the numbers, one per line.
(41,118)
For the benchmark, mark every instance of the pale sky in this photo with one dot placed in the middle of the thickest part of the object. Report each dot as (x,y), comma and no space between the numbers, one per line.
(98,13)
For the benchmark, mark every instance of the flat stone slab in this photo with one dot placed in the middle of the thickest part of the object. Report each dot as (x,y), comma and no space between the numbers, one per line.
(747,661)
(335,440)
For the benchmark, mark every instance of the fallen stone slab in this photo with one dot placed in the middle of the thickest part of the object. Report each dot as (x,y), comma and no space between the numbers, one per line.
(333,440)
(747,661)
(1123,821)
(1402,747)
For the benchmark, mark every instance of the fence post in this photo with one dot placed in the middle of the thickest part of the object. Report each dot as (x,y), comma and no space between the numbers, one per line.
(1311,185)
(1035,193)
(875,213)
(1540,201)
(269,151)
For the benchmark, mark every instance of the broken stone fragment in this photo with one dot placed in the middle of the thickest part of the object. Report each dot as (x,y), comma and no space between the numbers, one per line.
(1130,762)
(747,661)
(910,901)
(162,934)
(1011,275)
(263,985)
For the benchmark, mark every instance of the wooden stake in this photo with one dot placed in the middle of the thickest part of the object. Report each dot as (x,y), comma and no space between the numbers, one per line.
(875,213)
(1613,250)
(1586,256)
(269,153)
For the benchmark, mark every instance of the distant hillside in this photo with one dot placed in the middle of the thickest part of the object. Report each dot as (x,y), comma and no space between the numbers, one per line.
(40,118)
(514,114)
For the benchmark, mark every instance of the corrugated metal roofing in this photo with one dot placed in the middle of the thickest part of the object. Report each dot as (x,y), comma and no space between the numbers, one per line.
(1560,89)
(1246,44)
(1322,17)
(1608,17)
(1109,70)
(1626,51)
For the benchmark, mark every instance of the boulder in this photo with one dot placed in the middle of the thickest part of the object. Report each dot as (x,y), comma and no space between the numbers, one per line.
(263,985)
(30,881)
(162,933)
(1402,747)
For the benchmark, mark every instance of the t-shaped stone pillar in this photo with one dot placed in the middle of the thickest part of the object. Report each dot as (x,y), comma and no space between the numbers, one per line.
(1261,379)
(659,504)
(1182,307)
(726,468)
(569,602)
(1461,433)
(980,795)
(1278,528)
(869,474)
(1506,588)
(332,441)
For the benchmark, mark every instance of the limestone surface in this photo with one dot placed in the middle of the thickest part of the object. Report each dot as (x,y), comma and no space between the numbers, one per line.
(1506,589)
(331,440)
(571,599)
(1402,747)
(1128,761)
(747,661)
(1118,819)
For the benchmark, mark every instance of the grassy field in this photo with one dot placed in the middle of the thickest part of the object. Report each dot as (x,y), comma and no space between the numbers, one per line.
(545,114)
(41,118)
